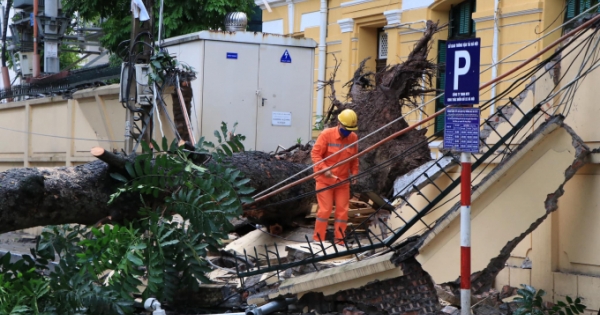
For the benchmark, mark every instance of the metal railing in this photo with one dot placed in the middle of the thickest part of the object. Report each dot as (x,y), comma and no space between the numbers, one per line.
(321,252)
(76,79)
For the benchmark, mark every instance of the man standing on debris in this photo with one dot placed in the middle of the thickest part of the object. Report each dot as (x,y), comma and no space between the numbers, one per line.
(330,141)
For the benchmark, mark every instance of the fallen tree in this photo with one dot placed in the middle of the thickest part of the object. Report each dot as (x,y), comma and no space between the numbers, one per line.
(47,196)
(379,99)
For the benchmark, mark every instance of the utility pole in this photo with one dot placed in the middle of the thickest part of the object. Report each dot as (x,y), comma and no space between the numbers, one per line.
(36,55)
(142,113)
(51,34)
(5,75)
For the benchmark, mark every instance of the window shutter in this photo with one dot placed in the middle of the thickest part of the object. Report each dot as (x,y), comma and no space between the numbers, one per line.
(584,5)
(465,18)
(441,84)
(571,4)
(451,23)
(473,8)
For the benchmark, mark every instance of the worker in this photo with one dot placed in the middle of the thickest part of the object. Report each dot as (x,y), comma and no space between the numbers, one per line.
(330,141)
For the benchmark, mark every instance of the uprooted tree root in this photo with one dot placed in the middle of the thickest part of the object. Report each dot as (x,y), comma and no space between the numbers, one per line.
(379,99)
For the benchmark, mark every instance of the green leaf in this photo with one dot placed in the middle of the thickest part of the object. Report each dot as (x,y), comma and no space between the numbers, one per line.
(138,167)
(242,182)
(165,144)
(233,146)
(216,133)
(245,190)
(569,299)
(119,177)
(134,259)
(139,246)
(246,199)
(574,309)
(238,143)
(224,129)
(129,168)
(171,242)
(145,147)
(226,149)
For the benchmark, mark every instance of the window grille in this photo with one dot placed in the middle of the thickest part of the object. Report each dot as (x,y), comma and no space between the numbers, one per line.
(383,45)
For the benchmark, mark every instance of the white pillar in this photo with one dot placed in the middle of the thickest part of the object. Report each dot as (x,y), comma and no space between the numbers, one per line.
(494,56)
(322,59)
(290,16)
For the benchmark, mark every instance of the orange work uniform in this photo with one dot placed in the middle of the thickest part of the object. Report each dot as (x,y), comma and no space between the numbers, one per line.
(329,142)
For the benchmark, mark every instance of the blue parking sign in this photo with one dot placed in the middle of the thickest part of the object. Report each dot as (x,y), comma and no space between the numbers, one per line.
(462,72)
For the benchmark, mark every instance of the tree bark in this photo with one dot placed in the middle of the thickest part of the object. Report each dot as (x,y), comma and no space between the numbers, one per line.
(32,197)
(35,197)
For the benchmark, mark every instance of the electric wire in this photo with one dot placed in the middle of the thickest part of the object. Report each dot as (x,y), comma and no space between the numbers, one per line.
(577,79)
(55,136)
(415,109)
(529,72)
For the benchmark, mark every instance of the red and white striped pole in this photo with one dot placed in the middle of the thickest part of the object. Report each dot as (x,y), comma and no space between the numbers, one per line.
(465,234)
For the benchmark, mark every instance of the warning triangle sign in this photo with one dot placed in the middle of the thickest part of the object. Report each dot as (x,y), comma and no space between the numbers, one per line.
(286,58)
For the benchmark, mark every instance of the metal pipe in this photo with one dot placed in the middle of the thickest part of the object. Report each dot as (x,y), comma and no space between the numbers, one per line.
(273,306)
(160,21)
(322,57)
(494,56)
(36,55)
(465,234)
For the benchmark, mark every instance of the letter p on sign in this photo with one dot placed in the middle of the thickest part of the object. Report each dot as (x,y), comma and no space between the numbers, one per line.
(458,70)
(462,72)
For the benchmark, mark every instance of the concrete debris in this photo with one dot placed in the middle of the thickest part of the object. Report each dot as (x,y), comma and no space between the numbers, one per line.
(352,311)
(421,176)
(488,310)
(447,295)
(450,310)
(507,291)
(526,263)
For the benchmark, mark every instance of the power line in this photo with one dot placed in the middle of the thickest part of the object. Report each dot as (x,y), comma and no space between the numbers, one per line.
(55,136)
(531,71)
(415,109)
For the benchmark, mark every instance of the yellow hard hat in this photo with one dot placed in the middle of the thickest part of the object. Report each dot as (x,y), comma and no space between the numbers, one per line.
(348,119)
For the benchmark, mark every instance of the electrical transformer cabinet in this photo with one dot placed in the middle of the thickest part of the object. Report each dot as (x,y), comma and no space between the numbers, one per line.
(264,82)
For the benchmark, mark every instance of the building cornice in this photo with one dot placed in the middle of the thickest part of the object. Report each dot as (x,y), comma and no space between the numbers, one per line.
(354,2)
(519,13)
(346,25)
(393,17)
(507,15)
(483,19)
(275,3)
(411,31)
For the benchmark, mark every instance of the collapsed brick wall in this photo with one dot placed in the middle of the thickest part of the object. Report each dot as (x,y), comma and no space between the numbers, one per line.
(411,294)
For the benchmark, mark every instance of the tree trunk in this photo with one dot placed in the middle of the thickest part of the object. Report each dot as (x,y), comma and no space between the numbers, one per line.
(266,171)
(32,197)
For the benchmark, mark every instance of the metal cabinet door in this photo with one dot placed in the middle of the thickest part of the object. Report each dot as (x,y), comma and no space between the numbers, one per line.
(286,91)
(230,84)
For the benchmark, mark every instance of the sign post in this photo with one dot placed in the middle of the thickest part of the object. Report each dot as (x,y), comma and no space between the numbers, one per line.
(461,133)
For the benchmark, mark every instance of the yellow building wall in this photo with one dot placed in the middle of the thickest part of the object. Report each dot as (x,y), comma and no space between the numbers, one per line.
(520,23)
